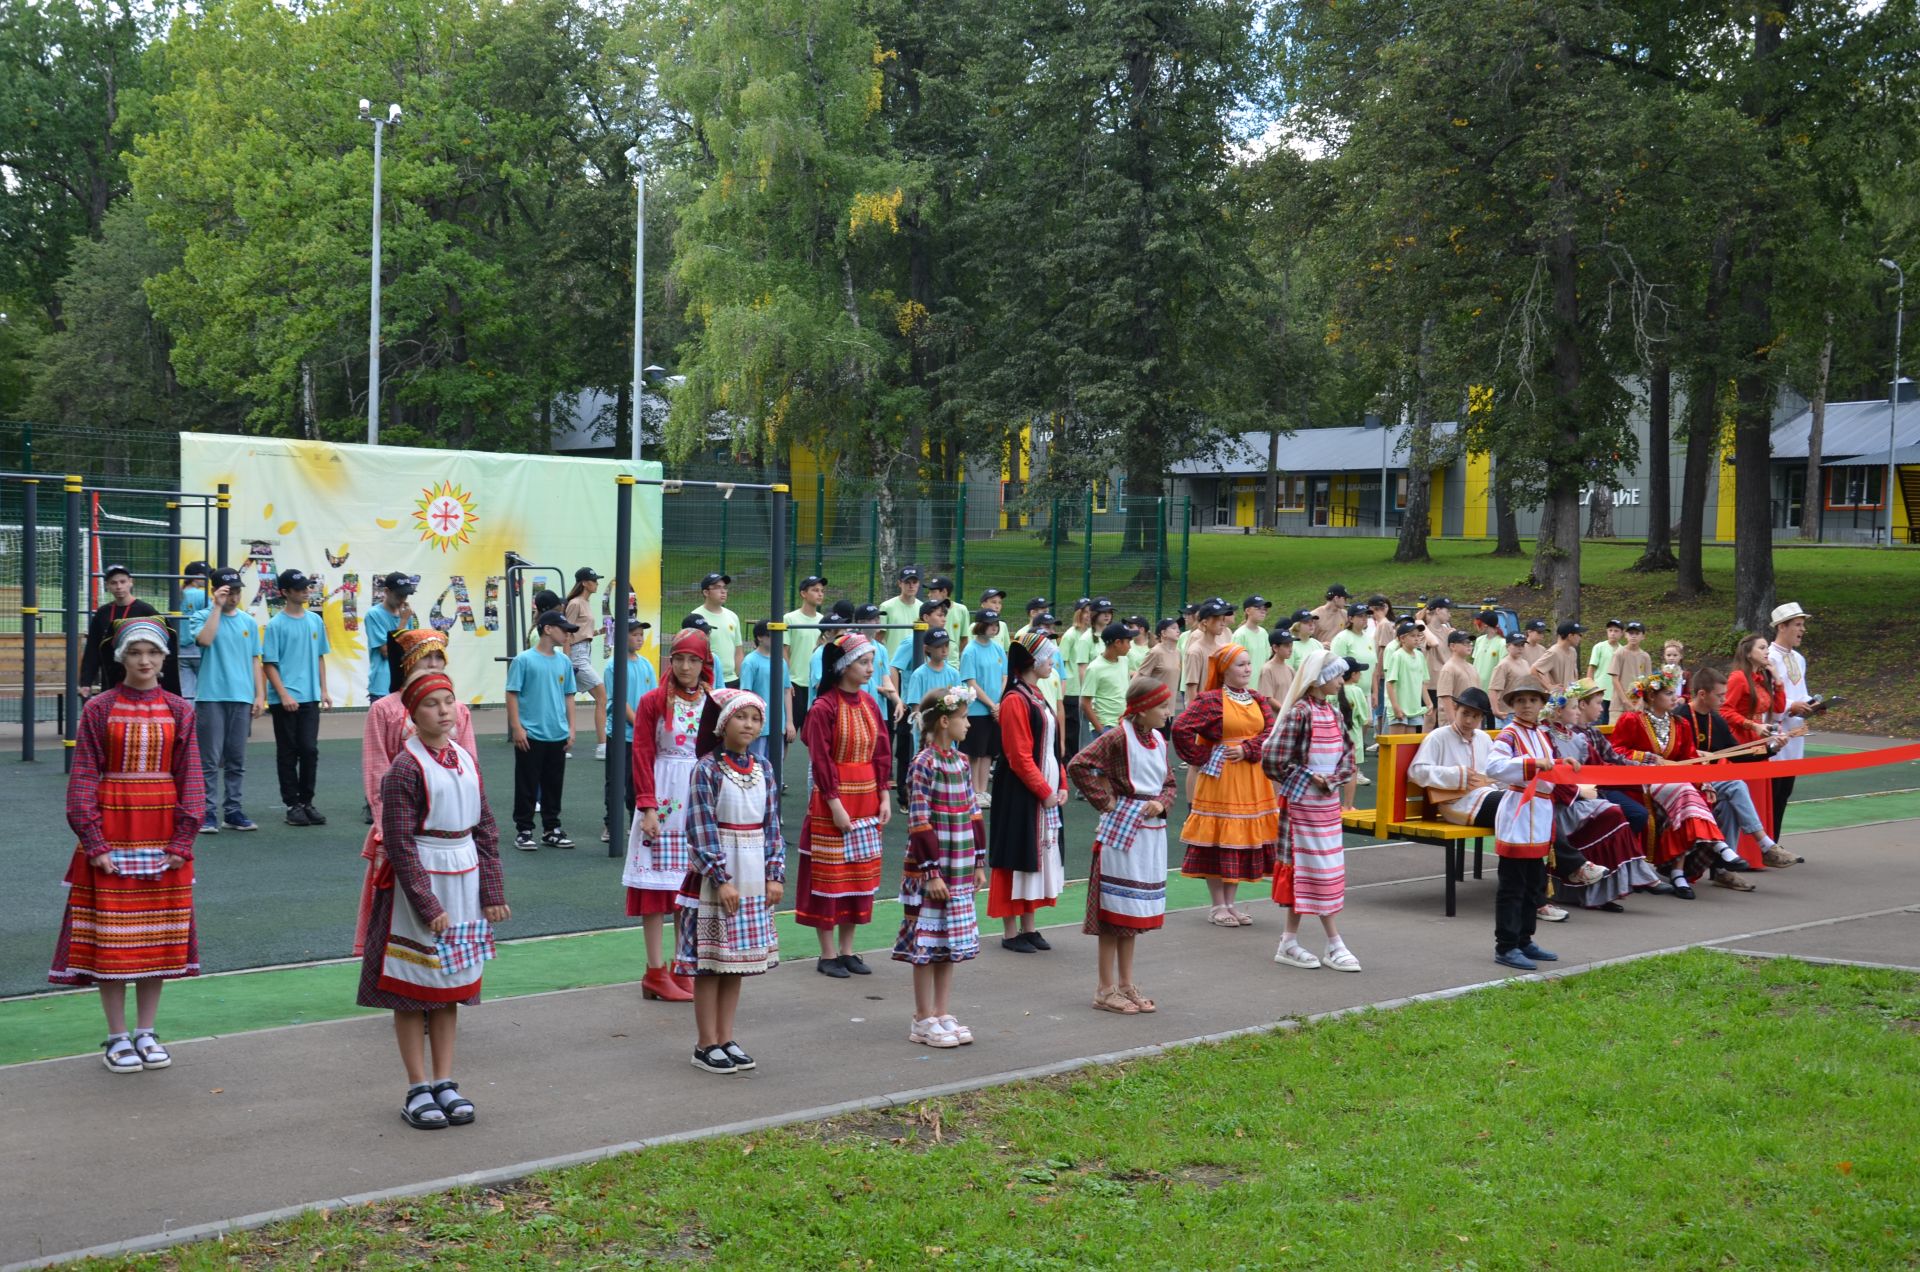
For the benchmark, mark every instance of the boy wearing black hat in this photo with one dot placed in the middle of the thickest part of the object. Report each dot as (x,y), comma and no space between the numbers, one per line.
(1331,618)
(1209,639)
(1077,649)
(1251,635)
(194,597)
(98,666)
(1103,690)
(1456,674)
(1629,663)
(294,656)
(803,635)
(540,689)
(1489,645)
(1277,676)
(995,599)
(1035,607)
(1536,646)
(904,609)
(393,614)
(1600,660)
(723,626)
(1561,666)
(232,694)
(959,617)
(1305,626)
(1405,678)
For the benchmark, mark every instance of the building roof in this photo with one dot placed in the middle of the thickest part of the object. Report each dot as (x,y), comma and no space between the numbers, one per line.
(1311,450)
(1902,455)
(1853,429)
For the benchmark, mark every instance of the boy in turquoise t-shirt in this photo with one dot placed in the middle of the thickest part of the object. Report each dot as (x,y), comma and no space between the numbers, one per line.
(540,689)
(232,691)
(294,655)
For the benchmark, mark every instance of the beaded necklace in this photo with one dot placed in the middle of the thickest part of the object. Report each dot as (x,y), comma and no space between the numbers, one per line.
(741,770)
(1662,727)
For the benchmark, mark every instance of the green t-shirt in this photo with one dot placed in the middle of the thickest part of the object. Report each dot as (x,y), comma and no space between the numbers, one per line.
(724,637)
(1106,683)
(1487,653)
(899,612)
(1076,647)
(803,634)
(1354,647)
(1406,675)
(1135,656)
(1302,650)
(1254,640)
(1601,660)
(960,623)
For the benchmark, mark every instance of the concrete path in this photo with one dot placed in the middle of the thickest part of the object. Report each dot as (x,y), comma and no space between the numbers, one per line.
(254,1123)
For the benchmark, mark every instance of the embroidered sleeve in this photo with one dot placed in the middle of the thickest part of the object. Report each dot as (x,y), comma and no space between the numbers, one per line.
(1099,771)
(83,783)
(402,797)
(703,821)
(1632,739)
(1509,764)
(1196,731)
(189,783)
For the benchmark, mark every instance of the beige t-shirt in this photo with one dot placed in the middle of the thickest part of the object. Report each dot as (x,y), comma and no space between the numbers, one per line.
(580,613)
(1436,647)
(1201,648)
(1454,676)
(1560,667)
(1628,665)
(1275,678)
(1507,673)
(1330,619)
(1533,653)
(1163,664)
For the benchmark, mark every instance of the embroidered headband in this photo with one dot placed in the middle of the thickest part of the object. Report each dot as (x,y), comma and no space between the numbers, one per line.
(728,701)
(415,691)
(1146,693)
(416,644)
(129,630)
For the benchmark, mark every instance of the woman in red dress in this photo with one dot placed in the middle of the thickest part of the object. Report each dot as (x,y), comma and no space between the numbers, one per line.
(1754,693)
(849,757)
(1652,734)
(133,801)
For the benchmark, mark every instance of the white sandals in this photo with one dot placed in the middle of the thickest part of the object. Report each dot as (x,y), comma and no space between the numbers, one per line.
(1294,955)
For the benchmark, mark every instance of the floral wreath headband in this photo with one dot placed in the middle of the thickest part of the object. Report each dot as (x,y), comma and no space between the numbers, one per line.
(952,701)
(1654,682)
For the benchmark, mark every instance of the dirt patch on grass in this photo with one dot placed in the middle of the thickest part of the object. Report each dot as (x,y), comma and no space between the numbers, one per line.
(920,1127)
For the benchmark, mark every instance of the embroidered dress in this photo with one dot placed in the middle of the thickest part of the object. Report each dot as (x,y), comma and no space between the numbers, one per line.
(666,724)
(733,831)
(443,857)
(1686,819)
(848,757)
(135,796)
(945,836)
(1312,741)
(1031,755)
(1120,773)
(387,729)
(1595,829)
(1232,832)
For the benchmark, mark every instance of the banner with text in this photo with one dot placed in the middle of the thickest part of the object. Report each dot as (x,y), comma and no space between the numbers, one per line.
(349,515)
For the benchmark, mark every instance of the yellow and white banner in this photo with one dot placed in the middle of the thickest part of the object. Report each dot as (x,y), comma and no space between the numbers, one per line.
(349,515)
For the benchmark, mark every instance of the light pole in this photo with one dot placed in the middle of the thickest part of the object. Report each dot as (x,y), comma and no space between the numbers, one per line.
(1893,397)
(373,336)
(639,289)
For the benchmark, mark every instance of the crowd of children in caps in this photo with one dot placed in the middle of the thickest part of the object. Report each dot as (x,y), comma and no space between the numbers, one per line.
(976,749)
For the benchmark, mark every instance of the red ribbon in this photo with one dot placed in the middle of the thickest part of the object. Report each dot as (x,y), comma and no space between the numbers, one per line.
(1725,770)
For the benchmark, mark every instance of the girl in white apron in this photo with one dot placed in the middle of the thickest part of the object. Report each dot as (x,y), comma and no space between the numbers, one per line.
(739,871)
(435,903)
(1124,773)
(665,729)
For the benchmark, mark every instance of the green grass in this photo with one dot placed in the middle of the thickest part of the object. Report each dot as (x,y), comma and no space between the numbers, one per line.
(1688,1112)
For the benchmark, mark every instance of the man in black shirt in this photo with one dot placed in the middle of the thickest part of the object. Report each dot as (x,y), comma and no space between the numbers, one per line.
(98,670)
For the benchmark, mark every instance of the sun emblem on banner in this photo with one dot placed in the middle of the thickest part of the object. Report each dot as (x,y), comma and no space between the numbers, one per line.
(446,516)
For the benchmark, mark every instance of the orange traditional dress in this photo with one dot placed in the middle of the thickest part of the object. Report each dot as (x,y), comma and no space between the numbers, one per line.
(135,796)
(1232,832)
(848,751)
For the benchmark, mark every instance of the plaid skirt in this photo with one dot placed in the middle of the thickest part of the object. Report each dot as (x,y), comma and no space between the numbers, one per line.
(715,943)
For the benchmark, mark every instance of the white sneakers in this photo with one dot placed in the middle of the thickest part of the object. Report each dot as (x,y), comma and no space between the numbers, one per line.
(939,1031)
(600,751)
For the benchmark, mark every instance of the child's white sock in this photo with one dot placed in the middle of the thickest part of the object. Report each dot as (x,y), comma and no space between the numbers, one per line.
(1727,853)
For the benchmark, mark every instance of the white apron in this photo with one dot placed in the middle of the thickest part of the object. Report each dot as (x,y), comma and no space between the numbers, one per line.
(742,943)
(1050,880)
(452,864)
(661,866)
(1133,872)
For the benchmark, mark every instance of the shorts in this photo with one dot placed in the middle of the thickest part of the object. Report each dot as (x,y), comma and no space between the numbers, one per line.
(584,674)
(983,738)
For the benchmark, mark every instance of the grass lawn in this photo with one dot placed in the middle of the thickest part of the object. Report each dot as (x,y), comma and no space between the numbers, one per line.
(1686,1112)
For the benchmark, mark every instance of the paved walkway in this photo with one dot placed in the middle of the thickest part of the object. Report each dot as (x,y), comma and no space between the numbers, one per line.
(257,1122)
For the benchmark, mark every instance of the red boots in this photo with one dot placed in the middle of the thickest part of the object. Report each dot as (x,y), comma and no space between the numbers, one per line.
(662,985)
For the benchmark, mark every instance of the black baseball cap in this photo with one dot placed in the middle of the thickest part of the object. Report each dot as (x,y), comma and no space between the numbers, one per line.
(1536,624)
(866,613)
(1191,607)
(1115,631)
(1214,609)
(1636,626)
(691,623)
(1101,605)
(940,583)
(1356,610)
(289,580)
(196,569)
(1614,622)
(934,607)
(1570,628)
(114,569)
(1085,602)
(1439,602)
(1256,601)
(1463,638)
(813,580)
(1406,627)
(1488,617)
(841,611)
(1513,638)
(554,618)
(1037,603)
(986,616)
(586,572)
(908,573)
(1303,616)
(1378,599)
(225,576)
(991,594)
(398,582)
(1046,620)
(937,636)
(1336,589)
(1279,636)
(711,579)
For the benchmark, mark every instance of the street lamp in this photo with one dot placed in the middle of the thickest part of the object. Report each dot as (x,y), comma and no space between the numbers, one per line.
(639,286)
(373,336)
(1893,398)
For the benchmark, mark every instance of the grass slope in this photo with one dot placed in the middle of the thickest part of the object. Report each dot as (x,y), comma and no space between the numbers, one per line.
(1686,1112)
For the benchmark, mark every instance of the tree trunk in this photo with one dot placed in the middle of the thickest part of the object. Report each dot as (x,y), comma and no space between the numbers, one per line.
(1413,526)
(1600,508)
(1753,427)
(1556,554)
(1659,551)
(1270,511)
(1505,521)
(1814,501)
(1556,551)
(1702,437)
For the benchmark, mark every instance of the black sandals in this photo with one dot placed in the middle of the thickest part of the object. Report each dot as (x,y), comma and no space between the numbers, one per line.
(422,1111)
(457,1107)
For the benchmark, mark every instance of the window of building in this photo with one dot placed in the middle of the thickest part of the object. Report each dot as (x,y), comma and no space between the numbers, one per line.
(1321,499)
(1293,494)
(1854,487)
(1400,491)
(1789,497)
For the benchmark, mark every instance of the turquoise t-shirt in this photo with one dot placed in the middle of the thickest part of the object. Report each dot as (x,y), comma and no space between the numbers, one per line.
(226,666)
(921,681)
(294,646)
(381,624)
(640,678)
(882,666)
(985,663)
(757,676)
(192,601)
(545,683)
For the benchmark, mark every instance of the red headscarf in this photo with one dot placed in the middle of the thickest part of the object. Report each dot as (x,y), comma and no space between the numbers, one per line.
(691,641)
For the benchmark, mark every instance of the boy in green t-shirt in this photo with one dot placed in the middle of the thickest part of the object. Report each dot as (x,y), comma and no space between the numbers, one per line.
(1406,680)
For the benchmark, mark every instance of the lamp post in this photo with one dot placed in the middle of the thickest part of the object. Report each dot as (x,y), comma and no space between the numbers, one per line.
(380,126)
(1893,397)
(639,289)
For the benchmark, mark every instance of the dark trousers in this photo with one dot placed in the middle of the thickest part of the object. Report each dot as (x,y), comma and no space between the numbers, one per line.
(902,755)
(1522,891)
(1070,708)
(296,749)
(1636,812)
(1606,714)
(539,773)
(1782,792)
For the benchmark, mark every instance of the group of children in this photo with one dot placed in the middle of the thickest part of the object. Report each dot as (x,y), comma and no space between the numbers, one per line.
(1271,746)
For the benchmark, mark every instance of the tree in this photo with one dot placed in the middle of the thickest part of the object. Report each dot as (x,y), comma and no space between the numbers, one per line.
(69,71)
(1658,554)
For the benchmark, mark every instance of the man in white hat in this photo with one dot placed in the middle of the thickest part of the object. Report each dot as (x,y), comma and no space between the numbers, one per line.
(1789,669)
